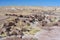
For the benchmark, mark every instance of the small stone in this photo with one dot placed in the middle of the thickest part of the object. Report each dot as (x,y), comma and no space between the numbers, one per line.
(44,23)
(6,14)
(56,24)
(24,21)
(21,16)
(11,24)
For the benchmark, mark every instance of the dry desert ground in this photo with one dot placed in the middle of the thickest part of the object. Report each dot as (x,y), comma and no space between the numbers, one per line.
(29,23)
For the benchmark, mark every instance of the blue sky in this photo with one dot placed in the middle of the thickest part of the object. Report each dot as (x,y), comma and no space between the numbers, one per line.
(29,2)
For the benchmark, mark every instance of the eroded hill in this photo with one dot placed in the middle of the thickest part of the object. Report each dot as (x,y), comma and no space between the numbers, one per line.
(28,22)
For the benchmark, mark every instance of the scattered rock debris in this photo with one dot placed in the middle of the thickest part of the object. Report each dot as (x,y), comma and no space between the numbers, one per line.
(21,24)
